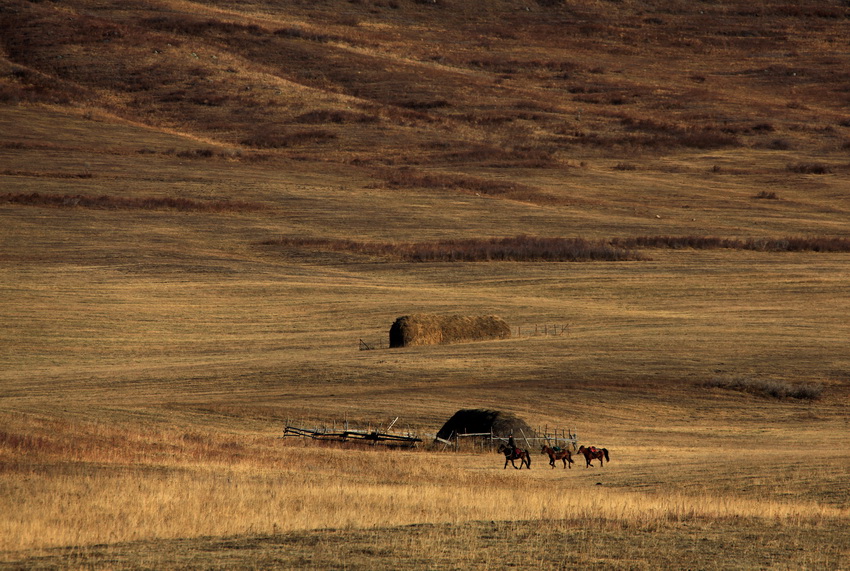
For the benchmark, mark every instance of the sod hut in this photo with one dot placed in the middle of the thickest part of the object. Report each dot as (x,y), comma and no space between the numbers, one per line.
(431,329)
(482,421)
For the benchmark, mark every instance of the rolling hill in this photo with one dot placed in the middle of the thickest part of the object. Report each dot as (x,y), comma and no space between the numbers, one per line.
(208,207)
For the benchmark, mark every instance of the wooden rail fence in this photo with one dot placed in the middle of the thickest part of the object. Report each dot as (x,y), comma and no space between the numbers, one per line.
(364,436)
(556,438)
(563,438)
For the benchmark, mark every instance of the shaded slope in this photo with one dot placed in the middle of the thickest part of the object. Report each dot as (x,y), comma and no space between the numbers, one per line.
(435,82)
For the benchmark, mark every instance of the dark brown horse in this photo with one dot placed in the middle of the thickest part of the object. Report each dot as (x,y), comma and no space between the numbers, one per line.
(512,454)
(563,454)
(593,453)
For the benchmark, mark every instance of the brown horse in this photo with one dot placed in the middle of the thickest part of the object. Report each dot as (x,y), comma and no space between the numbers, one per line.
(593,453)
(512,454)
(565,455)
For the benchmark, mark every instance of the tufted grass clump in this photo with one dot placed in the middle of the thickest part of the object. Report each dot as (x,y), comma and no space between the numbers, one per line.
(768,388)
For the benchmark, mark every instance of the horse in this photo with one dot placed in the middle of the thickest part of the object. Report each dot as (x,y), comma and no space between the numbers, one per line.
(512,454)
(565,455)
(593,453)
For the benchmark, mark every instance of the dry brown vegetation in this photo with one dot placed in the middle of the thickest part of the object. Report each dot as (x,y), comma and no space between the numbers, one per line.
(789,244)
(510,249)
(158,333)
(768,388)
(132,203)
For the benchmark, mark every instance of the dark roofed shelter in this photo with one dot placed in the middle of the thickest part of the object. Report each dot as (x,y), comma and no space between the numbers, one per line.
(482,421)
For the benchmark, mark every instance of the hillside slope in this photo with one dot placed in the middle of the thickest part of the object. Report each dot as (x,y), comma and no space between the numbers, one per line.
(209,208)
(448,84)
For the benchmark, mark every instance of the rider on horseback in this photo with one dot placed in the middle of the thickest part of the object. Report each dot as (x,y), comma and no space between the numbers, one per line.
(512,445)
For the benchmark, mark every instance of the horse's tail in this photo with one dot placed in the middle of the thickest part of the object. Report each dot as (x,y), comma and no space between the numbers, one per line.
(528,456)
(605,450)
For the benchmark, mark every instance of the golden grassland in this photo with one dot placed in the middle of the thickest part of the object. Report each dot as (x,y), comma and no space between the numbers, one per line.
(130,493)
(173,172)
(145,406)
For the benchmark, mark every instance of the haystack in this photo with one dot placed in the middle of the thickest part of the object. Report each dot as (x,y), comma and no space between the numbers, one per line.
(432,329)
(481,421)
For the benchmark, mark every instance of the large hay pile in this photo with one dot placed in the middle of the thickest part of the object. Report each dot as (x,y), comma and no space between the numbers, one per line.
(482,421)
(431,329)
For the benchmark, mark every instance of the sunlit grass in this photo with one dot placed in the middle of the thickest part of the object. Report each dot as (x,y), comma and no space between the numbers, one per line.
(84,505)
(156,339)
(106,485)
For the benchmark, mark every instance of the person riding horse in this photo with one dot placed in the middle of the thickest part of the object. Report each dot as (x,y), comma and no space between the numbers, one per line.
(512,445)
(513,452)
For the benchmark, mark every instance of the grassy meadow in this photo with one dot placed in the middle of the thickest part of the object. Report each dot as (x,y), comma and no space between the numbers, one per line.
(205,207)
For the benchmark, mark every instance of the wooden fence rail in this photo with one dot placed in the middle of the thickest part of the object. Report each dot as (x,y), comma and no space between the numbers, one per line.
(546,329)
(483,440)
(371,437)
(557,438)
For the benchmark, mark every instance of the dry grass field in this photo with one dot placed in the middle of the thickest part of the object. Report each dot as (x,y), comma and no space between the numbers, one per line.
(206,205)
